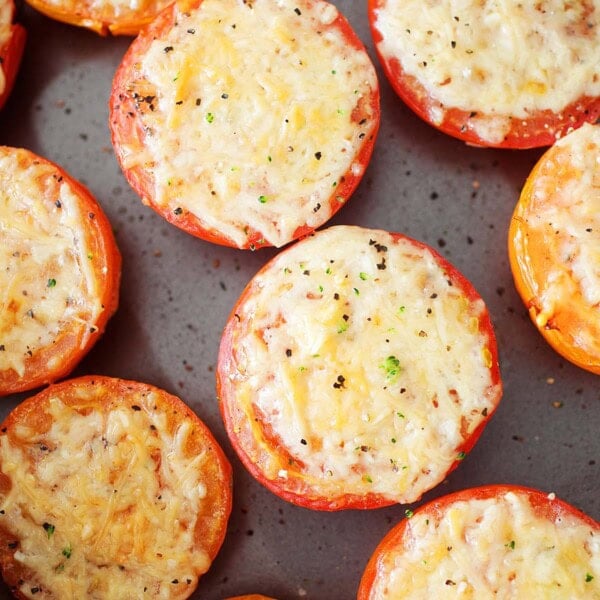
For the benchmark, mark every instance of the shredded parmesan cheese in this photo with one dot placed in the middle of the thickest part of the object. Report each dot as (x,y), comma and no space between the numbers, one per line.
(502,58)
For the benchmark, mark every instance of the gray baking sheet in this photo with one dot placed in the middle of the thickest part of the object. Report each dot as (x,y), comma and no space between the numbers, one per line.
(177,292)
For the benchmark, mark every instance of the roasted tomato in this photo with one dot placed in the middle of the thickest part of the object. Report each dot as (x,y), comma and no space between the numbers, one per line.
(507,74)
(12,43)
(59,275)
(356,370)
(246,124)
(109,487)
(554,246)
(489,542)
(106,16)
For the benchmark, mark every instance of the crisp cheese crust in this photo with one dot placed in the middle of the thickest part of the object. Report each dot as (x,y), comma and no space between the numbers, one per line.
(507,59)
(362,356)
(253,113)
(496,547)
(109,489)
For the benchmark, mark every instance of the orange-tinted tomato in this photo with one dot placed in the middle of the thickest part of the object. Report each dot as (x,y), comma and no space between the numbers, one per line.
(554,247)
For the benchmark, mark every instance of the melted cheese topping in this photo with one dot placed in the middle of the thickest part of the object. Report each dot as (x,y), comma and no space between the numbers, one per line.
(258,111)
(571,206)
(5,28)
(367,365)
(501,58)
(565,206)
(47,282)
(121,496)
(492,548)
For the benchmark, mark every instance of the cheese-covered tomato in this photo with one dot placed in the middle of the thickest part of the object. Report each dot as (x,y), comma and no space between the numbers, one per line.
(119,17)
(489,542)
(356,370)
(505,73)
(12,43)
(109,489)
(59,271)
(247,124)
(554,246)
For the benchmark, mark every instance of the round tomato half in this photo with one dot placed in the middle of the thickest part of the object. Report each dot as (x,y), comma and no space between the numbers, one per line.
(356,370)
(102,17)
(12,43)
(245,124)
(60,271)
(501,541)
(554,245)
(500,74)
(109,487)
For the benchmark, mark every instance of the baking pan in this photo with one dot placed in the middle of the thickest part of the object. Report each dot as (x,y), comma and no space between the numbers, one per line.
(177,292)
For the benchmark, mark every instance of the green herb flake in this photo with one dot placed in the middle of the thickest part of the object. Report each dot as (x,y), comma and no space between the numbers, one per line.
(391,366)
(356,291)
(210,117)
(588,577)
(461,455)
(363,275)
(408,513)
(367,478)
(400,415)
(393,440)
(51,283)
(343,327)
(510,544)
(262,199)
(49,529)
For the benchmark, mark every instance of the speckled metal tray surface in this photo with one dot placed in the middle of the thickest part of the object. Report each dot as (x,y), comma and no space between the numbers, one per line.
(177,292)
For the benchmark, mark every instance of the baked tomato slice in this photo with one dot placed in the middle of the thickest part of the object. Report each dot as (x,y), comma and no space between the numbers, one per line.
(502,541)
(356,370)
(109,489)
(554,246)
(246,124)
(506,74)
(12,43)
(59,275)
(104,16)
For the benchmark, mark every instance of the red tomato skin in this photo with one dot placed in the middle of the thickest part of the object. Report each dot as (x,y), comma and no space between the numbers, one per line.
(104,238)
(10,55)
(543,128)
(547,507)
(123,125)
(296,490)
